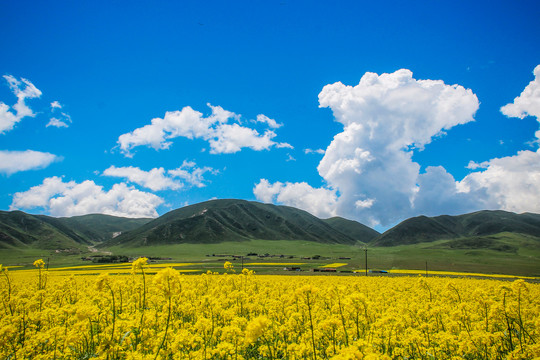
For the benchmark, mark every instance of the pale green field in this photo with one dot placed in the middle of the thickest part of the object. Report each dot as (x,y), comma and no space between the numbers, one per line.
(525,261)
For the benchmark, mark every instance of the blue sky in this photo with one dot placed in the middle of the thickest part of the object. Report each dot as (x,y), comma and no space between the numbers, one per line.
(138,108)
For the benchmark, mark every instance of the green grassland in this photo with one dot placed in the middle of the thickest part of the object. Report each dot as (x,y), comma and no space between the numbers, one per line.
(520,256)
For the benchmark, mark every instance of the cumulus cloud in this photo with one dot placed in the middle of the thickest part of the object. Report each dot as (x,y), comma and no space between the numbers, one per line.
(318,201)
(15,161)
(60,198)
(221,129)
(22,89)
(369,166)
(154,179)
(438,193)
(160,179)
(511,183)
(528,103)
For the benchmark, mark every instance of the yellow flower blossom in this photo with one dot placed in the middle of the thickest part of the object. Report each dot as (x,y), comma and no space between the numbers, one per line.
(266,317)
(39,263)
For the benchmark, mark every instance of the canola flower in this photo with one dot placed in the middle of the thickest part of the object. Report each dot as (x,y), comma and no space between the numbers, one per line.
(454,273)
(228,266)
(245,316)
(334,265)
(274,264)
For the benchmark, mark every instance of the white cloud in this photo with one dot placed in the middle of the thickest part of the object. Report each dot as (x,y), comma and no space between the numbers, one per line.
(55,105)
(231,138)
(60,198)
(399,110)
(528,103)
(22,89)
(284,146)
(369,165)
(59,120)
(7,118)
(57,123)
(158,179)
(154,179)
(474,165)
(15,161)
(364,204)
(223,135)
(192,174)
(317,151)
(438,193)
(318,201)
(270,122)
(511,183)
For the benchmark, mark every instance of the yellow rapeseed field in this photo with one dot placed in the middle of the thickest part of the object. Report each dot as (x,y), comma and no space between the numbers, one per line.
(169,315)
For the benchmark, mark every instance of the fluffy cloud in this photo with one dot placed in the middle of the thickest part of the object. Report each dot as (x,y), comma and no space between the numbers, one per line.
(60,198)
(528,103)
(438,192)
(22,89)
(511,183)
(223,135)
(191,174)
(318,201)
(15,161)
(270,122)
(159,179)
(154,179)
(369,164)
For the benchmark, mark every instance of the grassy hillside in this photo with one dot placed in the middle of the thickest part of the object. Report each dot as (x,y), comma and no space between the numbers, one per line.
(19,230)
(354,229)
(209,233)
(99,227)
(232,220)
(473,226)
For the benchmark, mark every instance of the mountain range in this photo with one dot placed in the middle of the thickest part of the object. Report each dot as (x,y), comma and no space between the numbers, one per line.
(21,230)
(239,220)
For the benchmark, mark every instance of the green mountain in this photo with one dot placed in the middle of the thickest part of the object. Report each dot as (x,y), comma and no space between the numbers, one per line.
(466,231)
(218,221)
(234,220)
(21,230)
(353,229)
(99,227)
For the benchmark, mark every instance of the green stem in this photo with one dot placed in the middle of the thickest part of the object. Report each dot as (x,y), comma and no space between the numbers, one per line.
(113,311)
(312,330)
(168,320)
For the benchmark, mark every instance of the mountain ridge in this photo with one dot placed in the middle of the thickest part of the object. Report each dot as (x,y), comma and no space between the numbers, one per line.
(225,220)
(234,220)
(21,230)
(422,229)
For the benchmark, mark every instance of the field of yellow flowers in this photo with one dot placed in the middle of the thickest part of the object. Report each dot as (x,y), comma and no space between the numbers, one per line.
(168,315)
